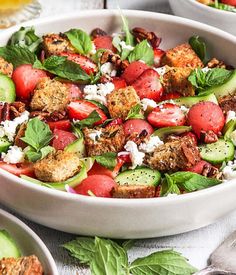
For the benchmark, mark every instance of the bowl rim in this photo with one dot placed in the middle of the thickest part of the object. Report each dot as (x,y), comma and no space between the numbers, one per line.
(16,221)
(116,201)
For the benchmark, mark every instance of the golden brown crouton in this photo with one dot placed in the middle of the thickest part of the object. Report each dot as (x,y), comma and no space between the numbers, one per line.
(176,80)
(182,56)
(102,140)
(57,166)
(5,67)
(49,95)
(228,103)
(21,266)
(133,191)
(179,153)
(54,44)
(119,102)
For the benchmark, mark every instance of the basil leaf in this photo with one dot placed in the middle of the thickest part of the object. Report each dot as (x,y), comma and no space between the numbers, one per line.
(142,51)
(192,182)
(109,258)
(17,55)
(80,40)
(135,112)
(89,121)
(166,262)
(32,155)
(82,248)
(37,134)
(169,187)
(128,244)
(199,46)
(107,159)
(25,38)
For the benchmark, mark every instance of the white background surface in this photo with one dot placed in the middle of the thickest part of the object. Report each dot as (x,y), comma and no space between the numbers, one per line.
(196,245)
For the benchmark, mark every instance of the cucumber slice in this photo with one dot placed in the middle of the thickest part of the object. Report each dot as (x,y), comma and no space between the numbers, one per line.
(7,89)
(218,152)
(228,129)
(162,133)
(4,144)
(8,247)
(77,147)
(139,176)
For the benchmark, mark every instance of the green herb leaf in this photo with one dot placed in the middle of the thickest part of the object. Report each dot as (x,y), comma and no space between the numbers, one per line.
(199,46)
(25,38)
(32,155)
(82,248)
(192,182)
(169,187)
(135,112)
(128,244)
(17,55)
(142,51)
(37,134)
(129,38)
(109,258)
(89,121)
(80,40)
(107,159)
(116,42)
(166,262)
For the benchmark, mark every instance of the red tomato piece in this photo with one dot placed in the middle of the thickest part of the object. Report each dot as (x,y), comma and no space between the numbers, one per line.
(74,90)
(64,125)
(158,54)
(133,71)
(166,115)
(137,126)
(81,109)
(148,85)
(198,168)
(229,2)
(26,78)
(104,42)
(169,96)
(85,63)
(99,185)
(62,139)
(18,169)
(206,116)
(119,83)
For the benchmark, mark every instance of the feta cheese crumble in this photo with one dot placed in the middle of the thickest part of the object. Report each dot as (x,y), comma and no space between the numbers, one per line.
(98,92)
(229,171)
(231,115)
(146,103)
(206,69)
(184,109)
(160,70)
(108,69)
(124,46)
(135,155)
(14,155)
(95,135)
(151,144)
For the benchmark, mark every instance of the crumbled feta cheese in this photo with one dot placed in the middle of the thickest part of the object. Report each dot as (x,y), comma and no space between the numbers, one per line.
(160,70)
(8,127)
(231,115)
(229,171)
(146,102)
(124,46)
(184,109)
(95,135)
(108,69)
(206,69)
(233,137)
(93,51)
(13,155)
(98,92)
(135,155)
(150,145)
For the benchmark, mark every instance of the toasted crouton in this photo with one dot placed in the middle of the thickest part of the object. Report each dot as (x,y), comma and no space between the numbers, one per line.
(120,101)
(177,154)
(103,140)
(57,166)
(54,44)
(49,95)
(133,191)
(21,266)
(228,103)
(176,80)
(5,67)
(182,56)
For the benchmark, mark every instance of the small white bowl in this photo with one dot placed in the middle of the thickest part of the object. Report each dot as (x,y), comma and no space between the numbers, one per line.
(28,242)
(192,9)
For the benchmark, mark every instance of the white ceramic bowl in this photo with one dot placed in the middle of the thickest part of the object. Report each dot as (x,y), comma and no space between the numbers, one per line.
(192,9)
(28,242)
(124,218)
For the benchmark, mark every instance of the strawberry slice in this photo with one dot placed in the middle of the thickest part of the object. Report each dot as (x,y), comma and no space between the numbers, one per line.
(118,83)
(148,85)
(158,54)
(85,63)
(133,71)
(104,42)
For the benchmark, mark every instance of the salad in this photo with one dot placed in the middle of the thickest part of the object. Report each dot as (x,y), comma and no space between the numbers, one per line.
(226,5)
(115,115)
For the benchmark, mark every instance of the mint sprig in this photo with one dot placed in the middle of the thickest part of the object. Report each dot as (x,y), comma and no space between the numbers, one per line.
(142,51)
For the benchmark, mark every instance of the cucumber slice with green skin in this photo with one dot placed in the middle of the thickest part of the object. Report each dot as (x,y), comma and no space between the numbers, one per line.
(4,144)
(139,176)
(7,89)
(72,182)
(77,147)
(228,129)
(189,101)
(162,133)
(218,152)
(228,88)
(8,247)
